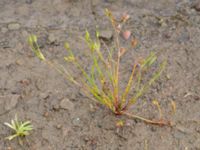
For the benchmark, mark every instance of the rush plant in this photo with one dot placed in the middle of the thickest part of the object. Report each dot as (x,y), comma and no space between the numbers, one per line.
(20,128)
(102,79)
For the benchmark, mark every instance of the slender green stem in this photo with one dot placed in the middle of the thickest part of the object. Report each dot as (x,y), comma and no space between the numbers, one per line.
(129,85)
(63,72)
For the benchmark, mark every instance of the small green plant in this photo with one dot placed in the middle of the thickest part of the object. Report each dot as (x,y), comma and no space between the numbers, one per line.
(20,128)
(102,82)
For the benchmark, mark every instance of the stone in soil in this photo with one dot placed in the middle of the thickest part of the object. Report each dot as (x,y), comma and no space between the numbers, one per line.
(51,38)
(8,102)
(196,6)
(4,30)
(13,26)
(110,1)
(66,104)
(4,44)
(106,34)
(77,122)
(44,95)
(29,1)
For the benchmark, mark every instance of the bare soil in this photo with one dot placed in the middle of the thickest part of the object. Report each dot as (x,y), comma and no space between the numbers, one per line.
(65,119)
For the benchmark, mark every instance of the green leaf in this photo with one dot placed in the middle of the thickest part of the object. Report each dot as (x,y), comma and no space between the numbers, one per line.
(21,128)
(11,137)
(9,125)
(69,59)
(66,45)
(32,40)
(97,34)
(87,36)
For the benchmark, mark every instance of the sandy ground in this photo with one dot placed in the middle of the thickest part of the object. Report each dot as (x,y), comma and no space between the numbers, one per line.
(63,118)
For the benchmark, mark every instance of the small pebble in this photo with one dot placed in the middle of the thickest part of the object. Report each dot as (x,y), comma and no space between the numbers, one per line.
(13,26)
(110,1)
(105,34)
(19,62)
(11,102)
(4,30)
(183,129)
(29,1)
(59,126)
(46,114)
(51,38)
(92,108)
(66,104)
(44,95)
(76,122)
(196,6)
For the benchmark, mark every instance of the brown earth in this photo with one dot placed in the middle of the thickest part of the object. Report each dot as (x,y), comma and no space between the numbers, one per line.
(63,118)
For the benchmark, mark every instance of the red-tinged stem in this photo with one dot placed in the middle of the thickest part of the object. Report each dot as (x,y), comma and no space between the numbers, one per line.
(116,73)
(117,70)
(154,122)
